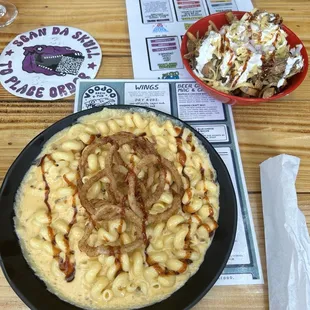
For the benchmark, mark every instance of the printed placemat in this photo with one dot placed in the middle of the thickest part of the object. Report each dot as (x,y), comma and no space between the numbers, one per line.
(45,63)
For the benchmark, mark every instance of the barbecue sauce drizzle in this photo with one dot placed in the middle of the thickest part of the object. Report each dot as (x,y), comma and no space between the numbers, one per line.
(189,140)
(182,155)
(66,266)
(242,71)
(189,192)
(272,55)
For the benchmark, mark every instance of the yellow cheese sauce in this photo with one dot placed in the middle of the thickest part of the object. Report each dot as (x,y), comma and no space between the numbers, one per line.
(50,219)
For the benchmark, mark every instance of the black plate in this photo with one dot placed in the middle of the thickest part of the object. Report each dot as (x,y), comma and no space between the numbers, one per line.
(33,291)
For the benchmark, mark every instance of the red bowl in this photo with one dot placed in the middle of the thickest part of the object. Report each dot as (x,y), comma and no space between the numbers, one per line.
(219,20)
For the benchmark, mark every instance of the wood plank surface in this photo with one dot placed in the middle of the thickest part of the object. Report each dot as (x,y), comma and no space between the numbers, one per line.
(263,131)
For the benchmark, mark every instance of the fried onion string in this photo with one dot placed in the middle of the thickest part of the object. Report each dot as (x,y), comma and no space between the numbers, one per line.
(129,193)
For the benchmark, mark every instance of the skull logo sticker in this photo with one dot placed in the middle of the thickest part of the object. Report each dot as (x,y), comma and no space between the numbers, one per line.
(52,60)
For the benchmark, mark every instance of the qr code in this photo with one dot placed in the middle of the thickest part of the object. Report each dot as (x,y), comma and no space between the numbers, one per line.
(70,65)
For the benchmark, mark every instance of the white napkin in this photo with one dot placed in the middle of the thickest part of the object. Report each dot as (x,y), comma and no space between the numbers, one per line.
(286,236)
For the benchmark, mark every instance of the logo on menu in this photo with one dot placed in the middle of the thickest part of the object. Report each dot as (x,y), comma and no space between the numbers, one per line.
(99,95)
(46,63)
(159,28)
(171,75)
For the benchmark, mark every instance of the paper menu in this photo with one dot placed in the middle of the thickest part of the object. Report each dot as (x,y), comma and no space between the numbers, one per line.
(155,11)
(156,28)
(185,99)
(164,53)
(189,10)
(216,6)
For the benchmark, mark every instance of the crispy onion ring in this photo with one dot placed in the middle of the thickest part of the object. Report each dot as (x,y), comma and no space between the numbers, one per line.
(164,216)
(159,189)
(83,190)
(175,174)
(150,176)
(107,212)
(93,251)
(128,196)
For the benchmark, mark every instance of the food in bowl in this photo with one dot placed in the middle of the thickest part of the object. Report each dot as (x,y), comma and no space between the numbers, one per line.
(249,57)
(118,210)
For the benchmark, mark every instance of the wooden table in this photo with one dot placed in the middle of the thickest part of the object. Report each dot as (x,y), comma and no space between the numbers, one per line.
(263,131)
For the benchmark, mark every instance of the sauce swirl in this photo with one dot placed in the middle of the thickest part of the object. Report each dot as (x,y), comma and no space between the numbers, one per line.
(211,212)
(223,41)
(189,140)
(202,172)
(273,54)
(118,263)
(197,218)
(66,266)
(230,60)
(182,155)
(51,233)
(91,139)
(242,71)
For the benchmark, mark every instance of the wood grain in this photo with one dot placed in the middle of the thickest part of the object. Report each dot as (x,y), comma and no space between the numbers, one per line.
(105,20)
(271,129)
(263,131)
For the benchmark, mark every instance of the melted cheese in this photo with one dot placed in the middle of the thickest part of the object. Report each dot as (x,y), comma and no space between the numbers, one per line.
(30,223)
